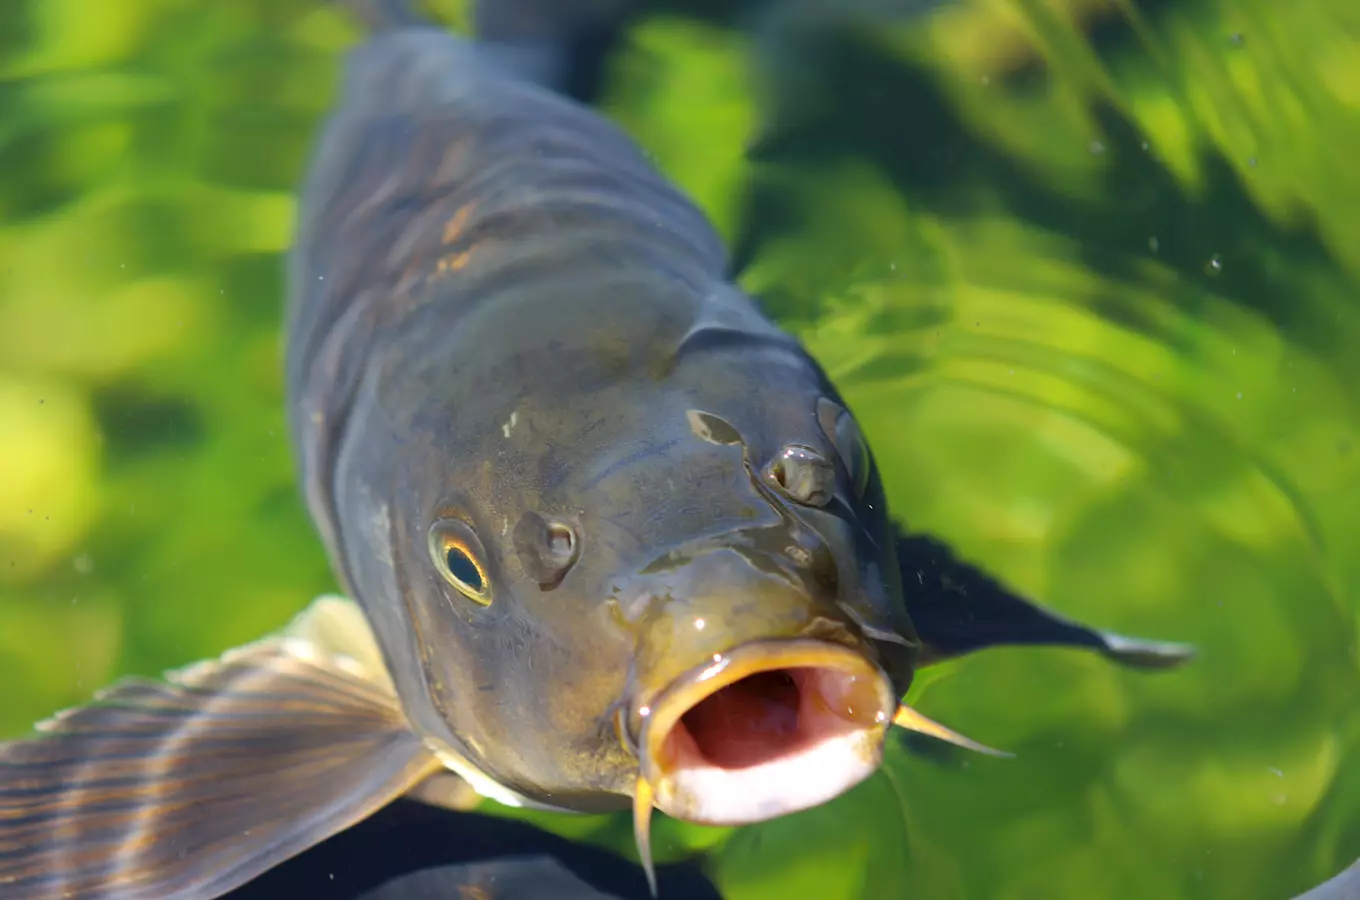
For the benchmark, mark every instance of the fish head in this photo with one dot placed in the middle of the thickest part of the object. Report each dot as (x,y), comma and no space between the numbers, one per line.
(594,555)
(771,646)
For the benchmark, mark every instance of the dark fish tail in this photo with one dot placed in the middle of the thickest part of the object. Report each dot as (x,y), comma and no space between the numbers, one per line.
(561,45)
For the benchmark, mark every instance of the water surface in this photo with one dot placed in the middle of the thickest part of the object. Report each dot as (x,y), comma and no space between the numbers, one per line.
(1088,271)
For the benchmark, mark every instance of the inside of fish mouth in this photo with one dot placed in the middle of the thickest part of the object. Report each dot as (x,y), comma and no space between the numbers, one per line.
(769,715)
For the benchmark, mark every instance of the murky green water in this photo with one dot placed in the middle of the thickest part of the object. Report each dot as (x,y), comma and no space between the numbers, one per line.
(1088,271)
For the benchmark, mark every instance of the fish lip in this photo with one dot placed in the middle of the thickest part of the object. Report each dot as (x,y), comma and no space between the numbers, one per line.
(864,736)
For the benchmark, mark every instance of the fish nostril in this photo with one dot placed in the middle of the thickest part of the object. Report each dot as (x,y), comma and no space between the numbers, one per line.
(547,548)
(803,475)
(561,541)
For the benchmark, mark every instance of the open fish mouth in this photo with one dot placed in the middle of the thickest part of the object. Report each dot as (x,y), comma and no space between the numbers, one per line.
(767,729)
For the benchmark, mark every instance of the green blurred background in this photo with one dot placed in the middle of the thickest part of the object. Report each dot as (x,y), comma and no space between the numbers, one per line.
(1088,271)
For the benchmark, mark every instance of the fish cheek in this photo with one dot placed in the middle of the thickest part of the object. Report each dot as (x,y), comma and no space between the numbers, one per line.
(573,666)
(442,588)
(516,681)
(441,635)
(545,689)
(483,683)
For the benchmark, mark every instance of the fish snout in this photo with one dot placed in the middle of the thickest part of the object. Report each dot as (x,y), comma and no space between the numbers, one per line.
(754,696)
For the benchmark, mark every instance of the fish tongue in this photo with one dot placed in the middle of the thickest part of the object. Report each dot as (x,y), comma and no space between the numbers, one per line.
(193,786)
(741,724)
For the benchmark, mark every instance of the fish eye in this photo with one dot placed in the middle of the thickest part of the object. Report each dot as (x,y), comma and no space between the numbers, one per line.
(803,474)
(458,556)
(842,430)
(547,548)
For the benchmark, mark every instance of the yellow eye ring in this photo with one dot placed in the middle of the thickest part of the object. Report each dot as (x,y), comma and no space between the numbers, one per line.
(458,555)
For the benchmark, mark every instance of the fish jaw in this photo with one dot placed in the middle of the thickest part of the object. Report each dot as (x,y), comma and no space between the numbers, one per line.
(767,729)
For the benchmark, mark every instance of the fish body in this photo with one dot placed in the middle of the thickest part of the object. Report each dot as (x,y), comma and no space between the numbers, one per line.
(507,317)
(612,537)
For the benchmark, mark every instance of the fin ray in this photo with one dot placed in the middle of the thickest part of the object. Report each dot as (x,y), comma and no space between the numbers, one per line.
(191,786)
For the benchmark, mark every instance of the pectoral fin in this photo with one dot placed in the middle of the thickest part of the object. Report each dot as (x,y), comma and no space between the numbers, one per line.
(957,609)
(194,785)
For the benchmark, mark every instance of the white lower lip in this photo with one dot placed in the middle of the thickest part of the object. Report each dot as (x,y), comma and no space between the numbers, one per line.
(801,780)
